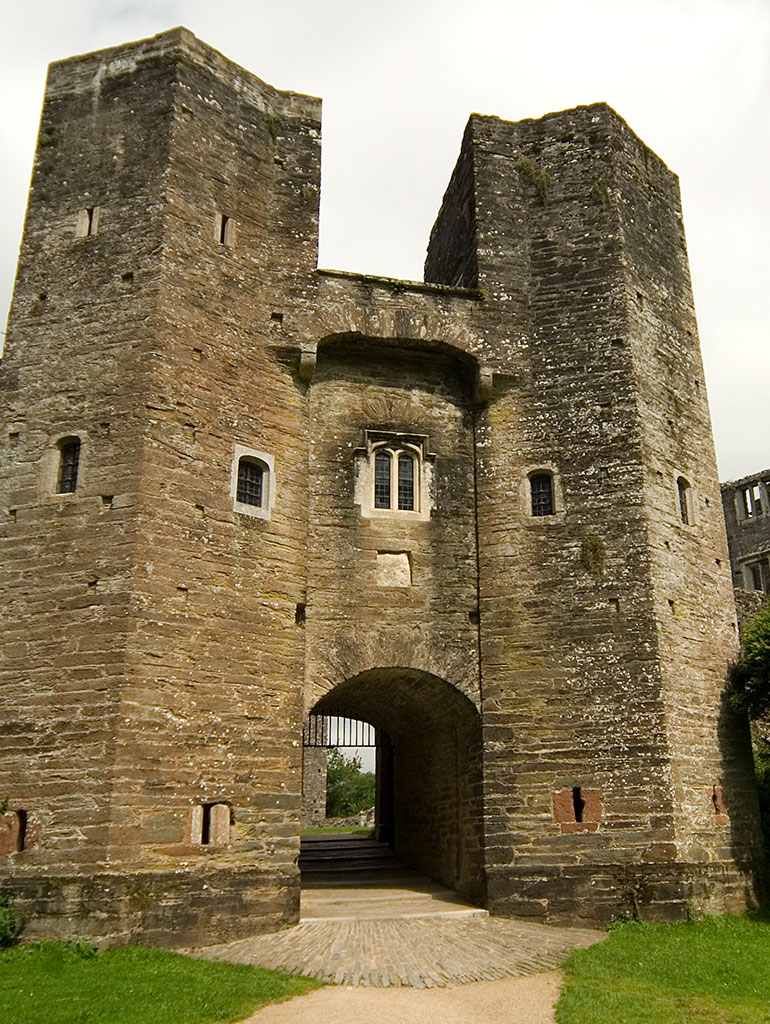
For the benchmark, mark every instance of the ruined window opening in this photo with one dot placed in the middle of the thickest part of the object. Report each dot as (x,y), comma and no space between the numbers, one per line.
(683,490)
(541,490)
(578,803)
(760,575)
(752,501)
(69,461)
(250,478)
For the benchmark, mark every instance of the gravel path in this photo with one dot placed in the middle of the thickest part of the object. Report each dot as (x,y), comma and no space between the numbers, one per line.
(529,1000)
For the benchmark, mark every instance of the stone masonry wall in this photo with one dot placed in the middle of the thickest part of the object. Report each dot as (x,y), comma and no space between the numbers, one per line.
(746,504)
(551,685)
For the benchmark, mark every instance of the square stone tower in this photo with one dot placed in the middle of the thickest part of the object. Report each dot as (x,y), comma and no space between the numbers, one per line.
(480,513)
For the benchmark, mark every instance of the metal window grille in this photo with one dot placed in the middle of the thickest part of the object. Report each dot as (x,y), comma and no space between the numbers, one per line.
(406,482)
(382,480)
(541,486)
(249,491)
(683,509)
(69,459)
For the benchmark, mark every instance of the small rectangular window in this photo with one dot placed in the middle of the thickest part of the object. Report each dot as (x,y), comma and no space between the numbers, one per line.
(69,460)
(249,491)
(541,485)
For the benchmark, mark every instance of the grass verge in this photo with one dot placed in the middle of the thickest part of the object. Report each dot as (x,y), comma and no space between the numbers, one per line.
(72,983)
(714,971)
(354,830)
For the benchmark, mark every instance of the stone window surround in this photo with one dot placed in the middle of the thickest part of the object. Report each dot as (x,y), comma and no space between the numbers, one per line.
(397,443)
(87,222)
(267,463)
(689,498)
(225,229)
(525,494)
(747,565)
(764,495)
(51,462)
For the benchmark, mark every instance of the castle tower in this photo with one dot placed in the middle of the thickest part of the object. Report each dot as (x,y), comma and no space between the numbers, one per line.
(607,625)
(153,678)
(480,513)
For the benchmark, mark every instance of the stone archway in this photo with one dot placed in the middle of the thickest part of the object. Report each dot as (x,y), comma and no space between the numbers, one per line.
(429,775)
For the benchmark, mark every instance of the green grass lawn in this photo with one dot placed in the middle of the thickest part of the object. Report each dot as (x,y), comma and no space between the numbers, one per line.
(327,830)
(61,983)
(715,971)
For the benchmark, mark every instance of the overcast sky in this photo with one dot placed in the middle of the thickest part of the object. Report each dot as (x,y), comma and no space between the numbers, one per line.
(399,79)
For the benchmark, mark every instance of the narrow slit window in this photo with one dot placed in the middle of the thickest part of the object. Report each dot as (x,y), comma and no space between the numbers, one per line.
(684,506)
(215,824)
(69,461)
(250,483)
(406,483)
(206,825)
(21,835)
(541,486)
(225,230)
(382,480)
(578,803)
(87,222)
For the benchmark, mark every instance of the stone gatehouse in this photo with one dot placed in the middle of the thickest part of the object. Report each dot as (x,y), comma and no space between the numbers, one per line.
(480,513)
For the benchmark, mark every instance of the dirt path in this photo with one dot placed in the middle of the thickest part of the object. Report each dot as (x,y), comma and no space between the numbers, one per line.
(528,1000)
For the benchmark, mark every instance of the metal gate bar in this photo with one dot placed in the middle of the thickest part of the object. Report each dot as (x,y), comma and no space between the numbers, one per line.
(330,730)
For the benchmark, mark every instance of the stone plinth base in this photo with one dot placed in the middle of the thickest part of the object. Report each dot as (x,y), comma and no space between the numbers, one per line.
(172,909)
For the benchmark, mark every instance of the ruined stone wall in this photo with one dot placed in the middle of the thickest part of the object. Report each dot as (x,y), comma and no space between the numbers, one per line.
(746,504)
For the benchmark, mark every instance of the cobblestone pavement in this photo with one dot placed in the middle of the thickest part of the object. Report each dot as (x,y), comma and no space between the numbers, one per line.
(432,952)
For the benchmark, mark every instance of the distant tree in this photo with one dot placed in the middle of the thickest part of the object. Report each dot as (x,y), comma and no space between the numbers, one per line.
(348,789)
(750,692)
(750,677)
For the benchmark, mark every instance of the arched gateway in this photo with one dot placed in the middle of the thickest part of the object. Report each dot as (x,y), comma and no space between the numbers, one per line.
(287,478)
(429,770)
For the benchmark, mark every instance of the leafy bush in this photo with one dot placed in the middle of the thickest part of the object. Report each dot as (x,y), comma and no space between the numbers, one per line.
(750,677)
(10,923)
(762,769)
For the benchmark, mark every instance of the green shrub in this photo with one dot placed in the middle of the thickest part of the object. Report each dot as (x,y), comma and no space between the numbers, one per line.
(10,923)
(750,676)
